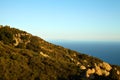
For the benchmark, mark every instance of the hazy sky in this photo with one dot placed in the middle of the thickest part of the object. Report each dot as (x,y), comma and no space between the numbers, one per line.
(64,19)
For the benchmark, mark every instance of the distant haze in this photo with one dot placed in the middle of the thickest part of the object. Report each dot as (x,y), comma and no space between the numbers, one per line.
(92,20)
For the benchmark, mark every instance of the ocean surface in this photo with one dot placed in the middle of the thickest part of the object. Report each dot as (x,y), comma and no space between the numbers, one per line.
(107,51)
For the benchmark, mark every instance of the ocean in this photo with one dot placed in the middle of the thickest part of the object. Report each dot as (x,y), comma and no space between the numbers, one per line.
(107,51)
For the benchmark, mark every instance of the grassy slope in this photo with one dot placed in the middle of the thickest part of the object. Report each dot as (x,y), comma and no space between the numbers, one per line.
(27,62)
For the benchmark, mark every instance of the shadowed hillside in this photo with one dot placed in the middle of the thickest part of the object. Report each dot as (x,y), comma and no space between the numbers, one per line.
(27,57)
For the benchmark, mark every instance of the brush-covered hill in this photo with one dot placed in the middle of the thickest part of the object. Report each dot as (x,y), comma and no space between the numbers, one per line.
(27,57)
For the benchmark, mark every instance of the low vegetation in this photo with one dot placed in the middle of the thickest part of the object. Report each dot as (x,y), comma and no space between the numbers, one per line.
(27,57)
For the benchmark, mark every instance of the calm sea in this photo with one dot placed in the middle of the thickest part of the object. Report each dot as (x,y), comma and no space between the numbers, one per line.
(107,51)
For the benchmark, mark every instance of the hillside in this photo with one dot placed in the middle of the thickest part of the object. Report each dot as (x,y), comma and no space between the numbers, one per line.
(27,57)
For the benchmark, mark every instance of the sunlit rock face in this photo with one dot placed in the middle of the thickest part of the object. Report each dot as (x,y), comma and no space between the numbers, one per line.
(101,69)
(45,55)
(21,38)
(89,72)
(82,67)
(105,66)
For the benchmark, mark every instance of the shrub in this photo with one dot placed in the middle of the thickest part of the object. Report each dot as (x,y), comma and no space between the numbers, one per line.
(6,35)
(21,45)
(34,44)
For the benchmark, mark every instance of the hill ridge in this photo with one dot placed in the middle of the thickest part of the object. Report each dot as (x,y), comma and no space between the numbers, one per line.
(27,57)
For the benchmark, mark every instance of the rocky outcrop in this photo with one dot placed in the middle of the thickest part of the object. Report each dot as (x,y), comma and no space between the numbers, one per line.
(90,72)
(45,55)
(105,66)
(21,38)
(101,69)
(82,67)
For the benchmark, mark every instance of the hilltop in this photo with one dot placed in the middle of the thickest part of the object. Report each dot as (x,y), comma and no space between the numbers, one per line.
(24,56)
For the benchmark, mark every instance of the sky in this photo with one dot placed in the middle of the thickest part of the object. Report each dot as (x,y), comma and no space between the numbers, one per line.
(86,20)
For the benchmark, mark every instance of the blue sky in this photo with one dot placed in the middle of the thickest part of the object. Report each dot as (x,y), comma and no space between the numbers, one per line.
(91,20)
